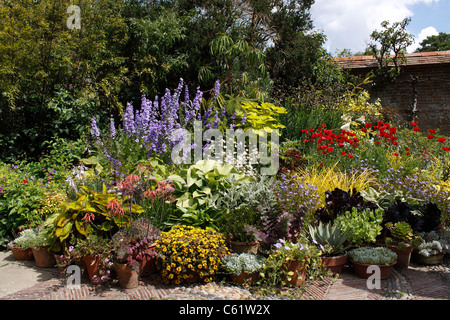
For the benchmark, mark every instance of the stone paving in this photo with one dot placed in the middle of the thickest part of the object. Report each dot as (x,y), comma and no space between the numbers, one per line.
(418,282)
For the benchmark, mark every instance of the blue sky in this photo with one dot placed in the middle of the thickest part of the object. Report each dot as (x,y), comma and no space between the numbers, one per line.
(349,23)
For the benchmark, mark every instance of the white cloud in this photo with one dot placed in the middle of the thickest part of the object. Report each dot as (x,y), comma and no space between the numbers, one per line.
(424,33)
(349,23)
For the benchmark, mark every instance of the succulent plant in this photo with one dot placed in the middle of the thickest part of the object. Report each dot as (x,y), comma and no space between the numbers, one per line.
(330,238)
(244,262)
(373,255)
(434,242)
(25,240)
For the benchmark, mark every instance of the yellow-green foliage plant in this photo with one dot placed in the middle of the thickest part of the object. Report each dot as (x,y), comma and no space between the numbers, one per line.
(187,253)
(330,178)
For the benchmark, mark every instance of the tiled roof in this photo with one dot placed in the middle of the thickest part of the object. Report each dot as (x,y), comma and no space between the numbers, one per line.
(420,58)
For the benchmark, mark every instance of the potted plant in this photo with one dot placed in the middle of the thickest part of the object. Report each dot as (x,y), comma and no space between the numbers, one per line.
(244,267)
(330,240)
(364,257)
(362,227)
(187,253)
(21,246)
(432,247)
(287,262)
(94,251)
(401,240)
(234,224)
(136,244)
(40,246)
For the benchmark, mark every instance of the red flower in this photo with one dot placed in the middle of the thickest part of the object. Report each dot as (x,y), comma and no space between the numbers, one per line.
(350,156)
(417,129)
(343,153)
(368,125)
(363,129)
(396,154)
(431,131)
(445,149)
(330,150)
(441,140)
(406,149)
(304,131)
(24,181)
(414,124)
(88,217)
(408,154)
(430,136)
(323,125)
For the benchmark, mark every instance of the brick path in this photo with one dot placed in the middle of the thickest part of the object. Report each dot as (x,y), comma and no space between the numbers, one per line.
(415,283)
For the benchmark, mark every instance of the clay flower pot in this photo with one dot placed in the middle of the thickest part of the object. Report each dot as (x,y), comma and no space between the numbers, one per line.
(296,273)
(21,254)
(245,277)
(403,256)
(128,278)
(244,247)
(335,263)
(91,264)
(430,260)
(361,269)
(43,257)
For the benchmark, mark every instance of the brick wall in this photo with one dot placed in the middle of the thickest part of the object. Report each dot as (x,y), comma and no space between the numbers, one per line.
(433,95)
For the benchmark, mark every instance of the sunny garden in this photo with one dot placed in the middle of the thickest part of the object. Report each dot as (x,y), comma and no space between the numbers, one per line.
(353,183)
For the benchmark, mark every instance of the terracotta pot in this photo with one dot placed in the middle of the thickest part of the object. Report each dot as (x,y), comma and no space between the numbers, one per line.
(403,256)
(148,265)
(43,258)
(298,271)
(22,254)
(128,278)
(335,263)
(244,247)
(361,269)
(245,277)
(430,260)
(91,264)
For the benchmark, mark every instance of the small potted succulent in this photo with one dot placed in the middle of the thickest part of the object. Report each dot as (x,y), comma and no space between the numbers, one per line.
(330,240)
(401,240)
(21,246)
(364,257)
(433,246)
(244,267)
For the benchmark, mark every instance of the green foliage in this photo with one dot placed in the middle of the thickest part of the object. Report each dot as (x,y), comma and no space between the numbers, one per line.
(440,42)
(393,41)
(362,227)
(330,238)
(89,214)
(233,223)
(260,116)
(25,239)
(197,190)
(373,255)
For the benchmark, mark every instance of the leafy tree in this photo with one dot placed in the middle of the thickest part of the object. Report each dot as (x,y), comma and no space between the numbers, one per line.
(440,42)
(389,48)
